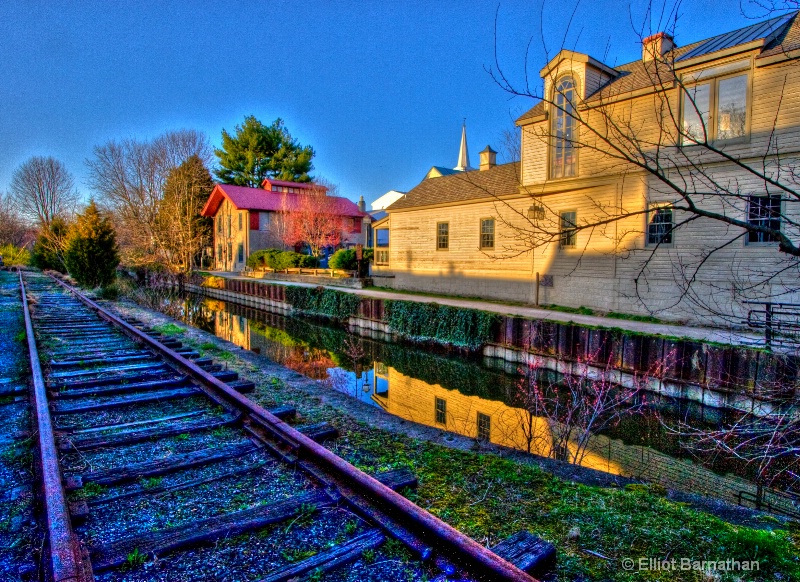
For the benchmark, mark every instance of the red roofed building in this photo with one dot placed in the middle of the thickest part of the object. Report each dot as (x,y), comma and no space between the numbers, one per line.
(250,219)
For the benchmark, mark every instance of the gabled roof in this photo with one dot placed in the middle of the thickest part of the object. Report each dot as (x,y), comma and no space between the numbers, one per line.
(244,198)
(438,171)
(274,182)
(501,180)
(778,35)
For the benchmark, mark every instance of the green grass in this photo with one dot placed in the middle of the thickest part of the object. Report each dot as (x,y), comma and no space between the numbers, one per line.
(564,309)
(169,329)
(151,483)
(619,523)
(631,317)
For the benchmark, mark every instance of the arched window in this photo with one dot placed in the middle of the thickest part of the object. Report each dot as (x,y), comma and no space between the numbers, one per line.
(563,159)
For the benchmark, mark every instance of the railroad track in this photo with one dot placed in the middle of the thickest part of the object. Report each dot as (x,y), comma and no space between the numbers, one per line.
(156,466)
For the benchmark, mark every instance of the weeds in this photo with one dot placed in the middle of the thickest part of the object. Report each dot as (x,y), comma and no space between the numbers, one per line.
(135,559)
(151,483)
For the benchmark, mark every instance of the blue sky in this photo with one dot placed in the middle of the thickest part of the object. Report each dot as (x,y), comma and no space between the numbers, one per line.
(379,89)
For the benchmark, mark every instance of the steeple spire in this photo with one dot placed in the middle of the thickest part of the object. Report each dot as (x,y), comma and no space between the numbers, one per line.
(463,153)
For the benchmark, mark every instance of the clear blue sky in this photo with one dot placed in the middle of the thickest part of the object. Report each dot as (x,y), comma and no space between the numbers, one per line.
(379,89)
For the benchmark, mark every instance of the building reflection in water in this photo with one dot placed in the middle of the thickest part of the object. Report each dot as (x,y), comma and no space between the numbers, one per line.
(456,394)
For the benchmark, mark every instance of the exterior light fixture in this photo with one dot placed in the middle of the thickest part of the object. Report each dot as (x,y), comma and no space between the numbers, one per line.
(536,212)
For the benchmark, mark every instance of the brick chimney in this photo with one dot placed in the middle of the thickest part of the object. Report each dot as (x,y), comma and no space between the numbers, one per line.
(656,46)
(488,158)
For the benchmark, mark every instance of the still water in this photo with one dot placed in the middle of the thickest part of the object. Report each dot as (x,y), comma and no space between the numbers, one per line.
(470,395)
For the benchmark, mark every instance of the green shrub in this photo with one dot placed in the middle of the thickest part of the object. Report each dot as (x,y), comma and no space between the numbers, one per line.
(14,255)
(343,259)
(47,251)
(278,259)
(465,328)
(321,301)
(91,256)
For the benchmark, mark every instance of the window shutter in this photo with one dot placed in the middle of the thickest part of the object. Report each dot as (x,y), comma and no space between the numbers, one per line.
(253,220)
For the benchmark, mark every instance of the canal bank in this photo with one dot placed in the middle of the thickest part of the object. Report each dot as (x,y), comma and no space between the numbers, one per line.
(724,376)
(486,495)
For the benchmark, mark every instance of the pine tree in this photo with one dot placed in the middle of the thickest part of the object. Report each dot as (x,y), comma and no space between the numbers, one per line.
(91,256)
(256,151)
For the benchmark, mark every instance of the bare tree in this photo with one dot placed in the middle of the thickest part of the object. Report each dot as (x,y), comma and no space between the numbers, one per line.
(679,169)
(43,189)
(129,178)
(14,230)
(576,406)
(313,217)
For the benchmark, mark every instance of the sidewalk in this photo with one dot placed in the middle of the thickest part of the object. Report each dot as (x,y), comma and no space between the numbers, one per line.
(707,334)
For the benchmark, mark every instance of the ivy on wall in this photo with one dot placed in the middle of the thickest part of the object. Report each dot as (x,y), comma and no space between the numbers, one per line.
(321,301)
(454,326)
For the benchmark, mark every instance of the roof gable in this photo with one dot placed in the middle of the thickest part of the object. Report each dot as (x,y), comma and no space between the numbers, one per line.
(244,198)
(776,36)
(500,180)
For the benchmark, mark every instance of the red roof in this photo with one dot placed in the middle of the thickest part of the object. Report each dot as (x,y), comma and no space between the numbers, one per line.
(244,198)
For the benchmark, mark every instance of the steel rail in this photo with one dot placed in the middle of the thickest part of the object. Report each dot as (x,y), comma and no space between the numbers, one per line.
(66,563)
(461,549)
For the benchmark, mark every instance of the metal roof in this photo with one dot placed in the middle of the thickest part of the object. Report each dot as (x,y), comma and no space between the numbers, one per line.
(768,29)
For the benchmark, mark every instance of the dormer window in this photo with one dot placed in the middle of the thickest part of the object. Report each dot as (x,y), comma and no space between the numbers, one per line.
(562,157)
(716,109)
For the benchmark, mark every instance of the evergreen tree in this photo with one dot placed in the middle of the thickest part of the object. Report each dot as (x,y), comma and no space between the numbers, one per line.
(183,232)
(256,151)
(91,256)
(48,251)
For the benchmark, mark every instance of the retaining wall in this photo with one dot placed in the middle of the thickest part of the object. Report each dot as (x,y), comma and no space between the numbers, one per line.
(726,377)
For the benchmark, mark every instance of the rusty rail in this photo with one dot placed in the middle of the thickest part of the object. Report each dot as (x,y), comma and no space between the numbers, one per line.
(456,546)
(66,562)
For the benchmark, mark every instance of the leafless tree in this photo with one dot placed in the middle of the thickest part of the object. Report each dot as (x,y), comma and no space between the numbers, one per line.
(14,230)
(130,176)
(741,193)
(43,189)
(313,217)
(576,406)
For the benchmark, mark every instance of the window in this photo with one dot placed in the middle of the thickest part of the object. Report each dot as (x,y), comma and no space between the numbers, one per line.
(356,225)
(562,156)
(382,237)
(263,221)
(442,236)
(487,233)
(240,220)
(230,221)
(240,253)
(441,411)
(569,236)
(230,251)
(484,427)
(764,211)
(219,253)
(716,110)
(381,257)
(659,226)
(219,224)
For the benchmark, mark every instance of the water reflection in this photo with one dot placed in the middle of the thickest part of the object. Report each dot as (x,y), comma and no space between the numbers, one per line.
(475,397)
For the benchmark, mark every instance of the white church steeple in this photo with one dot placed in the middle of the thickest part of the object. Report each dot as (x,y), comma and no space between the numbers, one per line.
(463,152)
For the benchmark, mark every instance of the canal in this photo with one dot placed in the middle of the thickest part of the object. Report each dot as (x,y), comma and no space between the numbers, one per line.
(474,396)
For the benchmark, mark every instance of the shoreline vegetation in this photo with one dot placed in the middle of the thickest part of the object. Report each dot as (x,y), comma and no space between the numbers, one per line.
(489,494)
